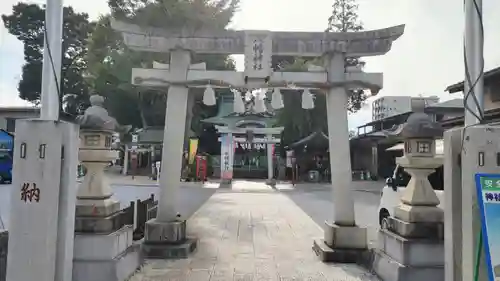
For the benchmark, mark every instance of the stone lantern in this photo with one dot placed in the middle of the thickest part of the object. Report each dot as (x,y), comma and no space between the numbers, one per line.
(419,201)
(96,152)
(103,244)
(410,247)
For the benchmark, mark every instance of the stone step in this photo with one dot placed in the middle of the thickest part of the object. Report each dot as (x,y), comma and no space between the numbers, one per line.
(389,269)
(416,229)
(102,246)
(411,251)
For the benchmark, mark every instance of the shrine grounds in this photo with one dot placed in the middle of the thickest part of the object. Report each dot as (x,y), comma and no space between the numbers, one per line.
(313,199)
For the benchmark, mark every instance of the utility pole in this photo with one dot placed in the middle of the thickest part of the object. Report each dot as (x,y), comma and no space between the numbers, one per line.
(52,57)
(473,99)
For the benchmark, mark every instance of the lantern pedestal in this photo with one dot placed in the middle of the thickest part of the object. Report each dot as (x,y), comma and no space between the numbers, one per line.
(104,247)
(410,244)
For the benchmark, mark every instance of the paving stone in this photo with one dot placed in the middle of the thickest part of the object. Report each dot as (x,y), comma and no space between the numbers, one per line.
(260,236)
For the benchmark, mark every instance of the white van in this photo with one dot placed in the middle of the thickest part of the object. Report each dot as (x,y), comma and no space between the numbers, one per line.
(396,184)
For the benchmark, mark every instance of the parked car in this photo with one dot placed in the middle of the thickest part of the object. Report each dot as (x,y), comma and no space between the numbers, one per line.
(5,167)
(396,184)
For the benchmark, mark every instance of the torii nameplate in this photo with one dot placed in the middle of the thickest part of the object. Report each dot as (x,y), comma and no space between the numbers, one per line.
(308,44)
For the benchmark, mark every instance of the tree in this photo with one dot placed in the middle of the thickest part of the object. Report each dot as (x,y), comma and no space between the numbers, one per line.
(111,62)
(344,18)
(27,23)
(298,122)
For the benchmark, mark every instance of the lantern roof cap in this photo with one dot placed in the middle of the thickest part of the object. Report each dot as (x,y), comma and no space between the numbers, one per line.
(421,125)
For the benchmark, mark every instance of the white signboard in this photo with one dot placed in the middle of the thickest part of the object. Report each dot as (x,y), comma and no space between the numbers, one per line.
(226,161)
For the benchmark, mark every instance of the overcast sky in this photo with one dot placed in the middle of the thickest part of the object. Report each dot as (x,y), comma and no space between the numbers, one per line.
(426,59)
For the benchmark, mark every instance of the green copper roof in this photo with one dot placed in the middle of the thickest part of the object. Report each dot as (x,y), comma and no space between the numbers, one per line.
(227,117)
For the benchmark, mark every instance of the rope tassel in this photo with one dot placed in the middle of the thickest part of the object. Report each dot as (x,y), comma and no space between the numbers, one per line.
(238,105)
(277,99)
(307,99)
(209,96)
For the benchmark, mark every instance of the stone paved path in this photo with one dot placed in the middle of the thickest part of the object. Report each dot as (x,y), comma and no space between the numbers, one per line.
(251,236)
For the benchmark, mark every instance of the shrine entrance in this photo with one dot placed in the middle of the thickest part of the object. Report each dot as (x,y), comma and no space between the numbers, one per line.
(248,152)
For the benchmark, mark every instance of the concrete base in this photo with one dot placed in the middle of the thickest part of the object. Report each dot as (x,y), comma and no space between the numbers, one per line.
(415,229)
(411,251)
(165,232)
(167,240)
(271,182)
(327,254)
(390,270)
(411,213)
(345,237)
(399,258)
(97,224)
(96,207)
(111,257)
(226,183)
(169,251)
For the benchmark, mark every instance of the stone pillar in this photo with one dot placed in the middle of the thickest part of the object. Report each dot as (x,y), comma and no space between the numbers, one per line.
(343,241)
(270,167)
(410,244)
(125,161)
(227,159)
(374,166)
(165,235)
(34,201)
(173,138)
(103,246)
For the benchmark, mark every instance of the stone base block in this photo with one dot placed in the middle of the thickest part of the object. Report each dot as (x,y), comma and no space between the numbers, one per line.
(173,232)
(169,251)
(327,254)
(411,251)
(390,270)
(345,237)
(96,207)
(271,182)
(416,229)
(225,183)
(419,213)
(101,266)
(103,246)
(92,224)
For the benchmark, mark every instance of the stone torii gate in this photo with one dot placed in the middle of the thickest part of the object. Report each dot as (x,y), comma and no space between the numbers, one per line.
(258,47)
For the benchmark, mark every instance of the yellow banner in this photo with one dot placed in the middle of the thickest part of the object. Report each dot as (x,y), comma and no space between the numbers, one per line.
(193,148)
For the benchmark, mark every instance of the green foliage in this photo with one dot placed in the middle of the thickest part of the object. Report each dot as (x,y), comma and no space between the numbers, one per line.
(27,23)
(299,122)
(344,18)
(111,62)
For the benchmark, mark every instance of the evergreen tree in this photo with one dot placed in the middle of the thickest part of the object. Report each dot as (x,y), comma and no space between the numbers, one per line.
(344,18)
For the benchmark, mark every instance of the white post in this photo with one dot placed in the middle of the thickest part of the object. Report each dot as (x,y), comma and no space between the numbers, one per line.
(173,137)
(125,161)
(470,212)
(51,73)
(67,202)
(269,158)
(340,157)
(35,200)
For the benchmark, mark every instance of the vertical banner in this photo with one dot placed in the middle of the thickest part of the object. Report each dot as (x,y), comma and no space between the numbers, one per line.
(193,149)
(488,195)
(226,157)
